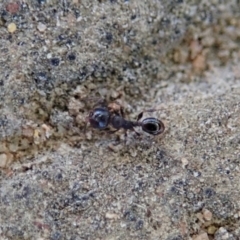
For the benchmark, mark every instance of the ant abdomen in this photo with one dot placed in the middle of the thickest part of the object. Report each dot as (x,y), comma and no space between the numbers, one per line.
(152,126)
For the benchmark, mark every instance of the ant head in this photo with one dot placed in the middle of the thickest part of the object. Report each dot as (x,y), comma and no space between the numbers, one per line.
(99,118)
(152,126)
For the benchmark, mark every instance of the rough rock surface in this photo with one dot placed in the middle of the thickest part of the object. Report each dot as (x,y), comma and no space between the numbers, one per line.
(59,182)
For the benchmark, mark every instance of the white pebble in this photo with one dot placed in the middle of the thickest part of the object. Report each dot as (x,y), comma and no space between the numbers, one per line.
(3,160)
(41,27)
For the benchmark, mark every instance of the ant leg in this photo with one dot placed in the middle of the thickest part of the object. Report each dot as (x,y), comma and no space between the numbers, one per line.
(112,131)
(139,116)
(122,112)
(101,102)
(138,134)
(125,136)
(148,110)
(119,112)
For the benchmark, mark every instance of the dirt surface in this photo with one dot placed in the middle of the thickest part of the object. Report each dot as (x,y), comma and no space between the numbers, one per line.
(59,181)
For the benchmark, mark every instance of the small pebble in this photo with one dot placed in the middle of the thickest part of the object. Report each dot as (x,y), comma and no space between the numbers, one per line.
(196,174)
(114,94)
(199,63)
(223,234)
(3,160)
(13,146)
(12,27)
(41,27)
(89,135)
(49,55)
(133,153)
(114,148)
(47,130)
(12,7)
(110,215)
(211,230)
(201,236)
(195,49)
(36,136)
(200,217)
(27,132)
(184,162)
(3,147)
(207,215)
(25,143)
(100,152)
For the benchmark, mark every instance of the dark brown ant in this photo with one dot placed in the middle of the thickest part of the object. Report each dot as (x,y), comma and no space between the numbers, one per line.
(104,115)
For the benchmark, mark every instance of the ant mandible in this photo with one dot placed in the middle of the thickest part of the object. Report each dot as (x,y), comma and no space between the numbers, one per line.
(104,115)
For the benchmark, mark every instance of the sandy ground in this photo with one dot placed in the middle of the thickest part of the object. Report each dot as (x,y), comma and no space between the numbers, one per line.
(60,182)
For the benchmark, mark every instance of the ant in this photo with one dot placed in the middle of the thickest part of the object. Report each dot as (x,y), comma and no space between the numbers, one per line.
(112,114)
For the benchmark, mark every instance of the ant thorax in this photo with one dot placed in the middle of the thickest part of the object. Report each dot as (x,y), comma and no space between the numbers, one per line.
(117,121)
